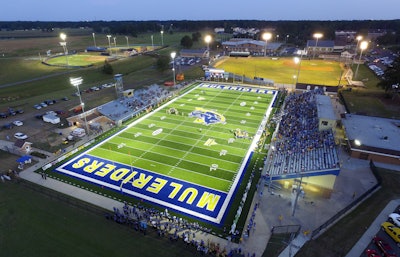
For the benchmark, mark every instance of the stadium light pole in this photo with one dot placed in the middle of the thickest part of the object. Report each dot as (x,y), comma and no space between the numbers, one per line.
(127,41)
(63,37)
(359,38)
(162,37)
(297,61)
(109,43)
(316,36)
(94,39)
(152,43)
(173,55)
(266,36)
(207,39)
(76,82)
(363,46)
(115,45)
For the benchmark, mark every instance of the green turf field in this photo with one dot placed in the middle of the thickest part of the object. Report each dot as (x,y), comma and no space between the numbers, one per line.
(76,60)
(171,147)
(283,70)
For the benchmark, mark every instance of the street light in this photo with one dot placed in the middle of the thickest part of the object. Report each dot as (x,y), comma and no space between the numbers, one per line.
(109,43)
(127,41)
(94,39)
(76,82)
(64,45)
(363,46)
(317,36)
(173,54)
(266,36)
(152,43)
(162,37)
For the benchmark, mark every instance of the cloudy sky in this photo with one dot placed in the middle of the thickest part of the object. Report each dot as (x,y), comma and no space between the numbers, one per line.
(89,10)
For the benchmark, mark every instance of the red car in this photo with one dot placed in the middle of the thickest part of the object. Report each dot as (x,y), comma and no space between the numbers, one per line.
(372,253)
(386,249)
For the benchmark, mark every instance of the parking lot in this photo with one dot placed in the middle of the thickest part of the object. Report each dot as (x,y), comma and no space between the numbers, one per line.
(386,239)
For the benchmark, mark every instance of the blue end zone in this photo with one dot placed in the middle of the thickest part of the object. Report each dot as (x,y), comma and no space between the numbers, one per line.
(201,202)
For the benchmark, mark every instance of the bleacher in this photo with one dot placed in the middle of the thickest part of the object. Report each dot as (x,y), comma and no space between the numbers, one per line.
(126,107)
(299,147)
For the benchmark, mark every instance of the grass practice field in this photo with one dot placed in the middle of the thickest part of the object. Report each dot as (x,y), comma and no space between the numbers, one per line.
(76,60)
(188,155)
(283,70)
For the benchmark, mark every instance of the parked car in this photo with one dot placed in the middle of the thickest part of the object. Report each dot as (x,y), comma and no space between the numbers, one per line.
(19,111)
(18,123)
(372,253)
(43,104)
(385,247)
(20,135)
(11,112)
(395,219)
(8,126)
(37,106)
(65,98)
(392,231)
(3,115)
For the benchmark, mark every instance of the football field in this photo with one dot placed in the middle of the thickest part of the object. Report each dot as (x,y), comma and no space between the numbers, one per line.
(188,155)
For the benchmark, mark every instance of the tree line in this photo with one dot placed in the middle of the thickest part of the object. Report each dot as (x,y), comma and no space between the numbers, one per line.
(296,31)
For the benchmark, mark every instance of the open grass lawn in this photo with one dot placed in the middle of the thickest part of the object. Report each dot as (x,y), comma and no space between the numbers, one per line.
(282,70)
(371,100)
(170,154)
(340,238)
(32,224)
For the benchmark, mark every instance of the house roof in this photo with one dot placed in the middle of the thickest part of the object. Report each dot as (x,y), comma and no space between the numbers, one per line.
(373,132)
(325,108)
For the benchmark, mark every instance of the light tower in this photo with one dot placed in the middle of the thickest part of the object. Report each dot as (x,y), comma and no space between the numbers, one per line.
(76,82)
(109,43)
(266,36)
(63,37)
(317,36)
(173,55)
(363,46)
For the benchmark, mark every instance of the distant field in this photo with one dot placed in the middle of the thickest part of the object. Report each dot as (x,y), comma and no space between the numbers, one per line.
(188,156)
(76,60)
(282,70)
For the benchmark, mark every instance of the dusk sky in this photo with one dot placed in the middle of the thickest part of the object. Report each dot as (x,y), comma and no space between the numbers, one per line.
(140,10)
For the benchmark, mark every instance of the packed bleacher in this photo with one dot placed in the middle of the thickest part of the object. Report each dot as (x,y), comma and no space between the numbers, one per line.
(299,146)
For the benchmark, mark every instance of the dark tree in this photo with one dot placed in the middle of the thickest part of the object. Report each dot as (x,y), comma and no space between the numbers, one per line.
(186,42)
(107,68)
(162,63)
(196,36)
(391,80)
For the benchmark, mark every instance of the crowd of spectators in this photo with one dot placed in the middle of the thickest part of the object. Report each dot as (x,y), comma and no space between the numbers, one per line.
(141,100)
(145,220)
(299,145)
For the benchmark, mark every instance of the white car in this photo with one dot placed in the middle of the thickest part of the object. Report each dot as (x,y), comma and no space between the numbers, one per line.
(18,123)
(37,106)
(20,135)
(395,219)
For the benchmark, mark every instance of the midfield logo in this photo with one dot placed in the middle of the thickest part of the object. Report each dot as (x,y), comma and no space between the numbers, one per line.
(207,117)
